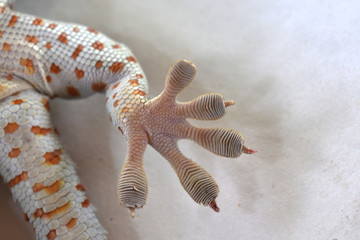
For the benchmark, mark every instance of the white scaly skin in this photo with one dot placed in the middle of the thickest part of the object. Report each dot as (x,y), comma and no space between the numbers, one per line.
(41,59)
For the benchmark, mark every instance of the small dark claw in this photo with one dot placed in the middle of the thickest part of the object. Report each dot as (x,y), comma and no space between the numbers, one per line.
(132,212)
(214,206)
(248,150)
(229,103)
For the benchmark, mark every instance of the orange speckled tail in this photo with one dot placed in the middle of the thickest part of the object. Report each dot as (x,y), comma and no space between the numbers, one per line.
(40,174)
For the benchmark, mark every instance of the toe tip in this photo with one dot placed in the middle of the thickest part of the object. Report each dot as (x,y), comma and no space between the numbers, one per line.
(248,150)
(214,206)
(132,212)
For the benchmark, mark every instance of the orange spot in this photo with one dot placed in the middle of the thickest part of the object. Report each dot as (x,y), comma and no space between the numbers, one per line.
(125,109)
(97,87)
(98,64)
(55,69)
(116,67)
(57,131)
(48,45)
(71,224)
(1,32)
(17,102)
(38,22)
(131,59)
(51,235)
(63,38)
(85,203)
(6,47)
(116,85)
(80,187)
(137,91)
(114,96)
(134,82)
(92,30)
(40,131)
(28,63)
(106,99)
(13,20)
(26,217)
(31,39)
(14,153)
(22,177)
(139,76)
(98,45)
(9,77)
(77,51)
(116,46)
(75,29)
(48,78)
(38,213)
(110,117)
(3,9)
(79,73)
(54,187)
(72,91)
(57,211)
(52,158)
(38,187)
(122,132)
(11,127)
(52,25)
(46,104)
(116,103)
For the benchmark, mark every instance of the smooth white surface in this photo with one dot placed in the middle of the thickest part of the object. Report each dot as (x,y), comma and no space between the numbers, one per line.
(292,67)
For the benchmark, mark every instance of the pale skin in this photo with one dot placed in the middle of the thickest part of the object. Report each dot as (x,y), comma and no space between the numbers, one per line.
(39,59)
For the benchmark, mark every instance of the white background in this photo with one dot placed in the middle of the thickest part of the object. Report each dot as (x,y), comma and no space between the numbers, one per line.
(293,69)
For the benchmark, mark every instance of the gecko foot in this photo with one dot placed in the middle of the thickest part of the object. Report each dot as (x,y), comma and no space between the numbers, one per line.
(161,123)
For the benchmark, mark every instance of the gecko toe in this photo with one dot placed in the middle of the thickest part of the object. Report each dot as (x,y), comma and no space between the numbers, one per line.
(132,187)
(221,141)
(209,106)
(196,181)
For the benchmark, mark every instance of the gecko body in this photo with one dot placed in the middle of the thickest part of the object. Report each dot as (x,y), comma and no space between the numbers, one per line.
(42,59)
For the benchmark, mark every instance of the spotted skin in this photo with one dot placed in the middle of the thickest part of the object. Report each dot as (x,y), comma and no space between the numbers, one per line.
(49,55)
(42,59)
(40,174)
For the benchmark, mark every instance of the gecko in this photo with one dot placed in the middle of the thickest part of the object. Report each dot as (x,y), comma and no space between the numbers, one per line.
(42,59)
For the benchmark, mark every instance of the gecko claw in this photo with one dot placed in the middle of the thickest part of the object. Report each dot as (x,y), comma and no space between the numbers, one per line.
(248,150)
(132,212)
(229,103)
(214,206)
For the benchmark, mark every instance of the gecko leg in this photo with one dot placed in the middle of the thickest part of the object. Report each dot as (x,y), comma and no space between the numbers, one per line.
(161,122)
(39,172)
